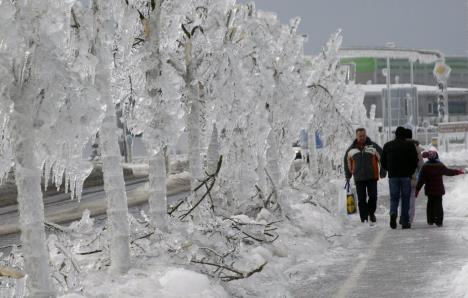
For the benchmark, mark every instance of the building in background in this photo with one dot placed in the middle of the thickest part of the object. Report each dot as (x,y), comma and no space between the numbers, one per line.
(370,72)
(426,99)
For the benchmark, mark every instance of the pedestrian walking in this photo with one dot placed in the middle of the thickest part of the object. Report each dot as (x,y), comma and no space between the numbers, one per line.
(362,161)
(431,177)
(399,159)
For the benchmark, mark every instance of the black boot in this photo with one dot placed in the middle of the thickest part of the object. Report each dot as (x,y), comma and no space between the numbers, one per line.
(372,217)
(393,221)
(406,226)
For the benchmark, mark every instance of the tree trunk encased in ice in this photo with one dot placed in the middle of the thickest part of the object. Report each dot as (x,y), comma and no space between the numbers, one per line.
(30,204)
(193,125)
(157,162)
(212,155)
(157,187)
(313,160)
(114,186)
(272,162)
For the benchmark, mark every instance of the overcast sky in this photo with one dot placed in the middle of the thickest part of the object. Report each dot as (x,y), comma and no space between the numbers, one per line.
(425,24)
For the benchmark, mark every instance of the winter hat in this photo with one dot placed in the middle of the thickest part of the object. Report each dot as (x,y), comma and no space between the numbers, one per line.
(400,132)
(431,155)
(408,133)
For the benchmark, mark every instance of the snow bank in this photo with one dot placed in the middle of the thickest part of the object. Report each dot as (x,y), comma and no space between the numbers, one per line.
(151,282)
(456,157)
(303,244)
(456,199)
(180,282)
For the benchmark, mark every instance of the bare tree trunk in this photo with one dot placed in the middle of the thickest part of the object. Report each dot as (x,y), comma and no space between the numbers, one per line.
(114,185)
(31,206)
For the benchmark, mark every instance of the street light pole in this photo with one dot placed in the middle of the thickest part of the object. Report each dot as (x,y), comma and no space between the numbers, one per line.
(442,73)
(389,103)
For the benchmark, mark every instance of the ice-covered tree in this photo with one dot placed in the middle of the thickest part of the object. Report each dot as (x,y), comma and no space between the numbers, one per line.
(47,115)
(157,110)
(276,59)
(237,108)
(333,101)
(105,23)
(199,25)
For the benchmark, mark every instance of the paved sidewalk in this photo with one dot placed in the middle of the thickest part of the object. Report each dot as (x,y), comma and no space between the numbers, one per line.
(380,262)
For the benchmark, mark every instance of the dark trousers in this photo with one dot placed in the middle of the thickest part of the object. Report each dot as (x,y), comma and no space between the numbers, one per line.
(400,188)
(366,189)
(435,211)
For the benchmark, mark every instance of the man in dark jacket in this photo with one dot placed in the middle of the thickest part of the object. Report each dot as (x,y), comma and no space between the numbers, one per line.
(431,175)
(362,161)
(399,159)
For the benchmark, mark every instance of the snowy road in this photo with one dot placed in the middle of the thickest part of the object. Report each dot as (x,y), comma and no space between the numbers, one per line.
(380,262)
(60,204)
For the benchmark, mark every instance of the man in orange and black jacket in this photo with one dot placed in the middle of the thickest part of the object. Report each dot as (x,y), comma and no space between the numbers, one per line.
(362,160)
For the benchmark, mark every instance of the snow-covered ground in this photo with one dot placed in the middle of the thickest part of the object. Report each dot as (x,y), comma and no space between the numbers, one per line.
(153,281)
(456,203)
(313,237)
(460,283)
(310,228)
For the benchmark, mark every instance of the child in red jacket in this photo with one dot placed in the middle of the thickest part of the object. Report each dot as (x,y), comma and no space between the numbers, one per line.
(431,175)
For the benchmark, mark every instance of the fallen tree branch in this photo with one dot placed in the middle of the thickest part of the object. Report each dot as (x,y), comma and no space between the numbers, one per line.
(142,237)
(317,204)
(176,207)
(273,190)
(89,252)
(11,272)
(211,178)
(237,273)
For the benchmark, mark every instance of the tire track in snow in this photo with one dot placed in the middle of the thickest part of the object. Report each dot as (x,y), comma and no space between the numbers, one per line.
(353,277)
